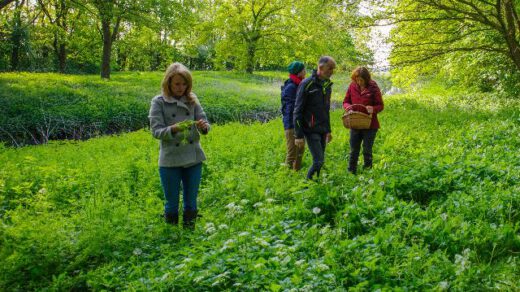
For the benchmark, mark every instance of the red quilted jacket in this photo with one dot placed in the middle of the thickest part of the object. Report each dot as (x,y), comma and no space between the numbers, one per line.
(371,95)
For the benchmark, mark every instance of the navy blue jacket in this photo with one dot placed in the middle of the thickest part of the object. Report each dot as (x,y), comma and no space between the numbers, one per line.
(288,99)
(312,107)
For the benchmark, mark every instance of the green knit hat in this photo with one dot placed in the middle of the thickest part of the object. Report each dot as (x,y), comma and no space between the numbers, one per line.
(295,67)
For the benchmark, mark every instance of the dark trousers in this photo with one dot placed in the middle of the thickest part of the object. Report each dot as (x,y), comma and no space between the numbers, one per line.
(316,144)
(356,137)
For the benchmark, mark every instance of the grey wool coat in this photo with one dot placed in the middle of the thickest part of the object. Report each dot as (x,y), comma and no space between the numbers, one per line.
(179,149)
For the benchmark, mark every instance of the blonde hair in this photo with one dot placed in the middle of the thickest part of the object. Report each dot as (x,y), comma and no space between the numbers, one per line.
(178,69)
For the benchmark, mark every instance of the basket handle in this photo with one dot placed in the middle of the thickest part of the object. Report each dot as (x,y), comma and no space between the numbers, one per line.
(348,108)
(354,105)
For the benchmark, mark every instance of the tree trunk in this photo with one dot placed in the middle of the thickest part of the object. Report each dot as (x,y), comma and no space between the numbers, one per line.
(107,49)
(16,38)
(15,52)
(62,58)
(512,29)
(62,50)
(251,52)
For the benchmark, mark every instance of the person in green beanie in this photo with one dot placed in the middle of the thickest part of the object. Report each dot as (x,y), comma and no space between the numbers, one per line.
(296,75)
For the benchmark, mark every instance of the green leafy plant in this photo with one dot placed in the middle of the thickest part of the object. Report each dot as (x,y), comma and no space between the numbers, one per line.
(439,210)
(185,128)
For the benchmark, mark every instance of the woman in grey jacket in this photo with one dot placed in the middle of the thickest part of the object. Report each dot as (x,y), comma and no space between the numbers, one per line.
(176,118)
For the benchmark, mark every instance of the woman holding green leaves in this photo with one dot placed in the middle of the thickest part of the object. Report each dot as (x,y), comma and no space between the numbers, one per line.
(176,119)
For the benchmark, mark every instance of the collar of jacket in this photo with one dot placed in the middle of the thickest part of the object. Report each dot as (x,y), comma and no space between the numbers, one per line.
(324,83)
(180,102)
(371,87)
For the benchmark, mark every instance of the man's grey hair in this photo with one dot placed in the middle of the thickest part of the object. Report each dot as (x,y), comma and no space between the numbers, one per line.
(325,60)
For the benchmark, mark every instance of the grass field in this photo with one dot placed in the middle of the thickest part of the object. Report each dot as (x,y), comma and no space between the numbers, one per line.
(439,211)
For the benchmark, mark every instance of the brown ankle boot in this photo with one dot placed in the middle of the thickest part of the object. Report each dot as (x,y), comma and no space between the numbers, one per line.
(189,217)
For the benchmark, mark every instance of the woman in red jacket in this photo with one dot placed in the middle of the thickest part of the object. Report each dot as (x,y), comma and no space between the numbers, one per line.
(363,90)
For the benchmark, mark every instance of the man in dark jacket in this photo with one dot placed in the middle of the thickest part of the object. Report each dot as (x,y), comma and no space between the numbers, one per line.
(312,113)
(296,74)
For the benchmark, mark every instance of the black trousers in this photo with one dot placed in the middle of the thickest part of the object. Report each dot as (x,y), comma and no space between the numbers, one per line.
(316,144)
(356,137)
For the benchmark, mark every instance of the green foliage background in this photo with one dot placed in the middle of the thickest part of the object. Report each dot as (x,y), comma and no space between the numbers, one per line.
(47,106)
(38,107)
(208,34)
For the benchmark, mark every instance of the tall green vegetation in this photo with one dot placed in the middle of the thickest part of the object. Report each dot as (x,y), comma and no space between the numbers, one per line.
(468,41)
(247,35)
(38,107)
(439,211)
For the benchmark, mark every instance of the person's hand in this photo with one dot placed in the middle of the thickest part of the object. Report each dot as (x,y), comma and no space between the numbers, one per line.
(300,143)
(328,138)
(370,109)
(175,128)
(202,125)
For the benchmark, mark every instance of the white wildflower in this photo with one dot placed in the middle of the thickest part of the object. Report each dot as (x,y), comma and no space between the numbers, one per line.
(444,285)
(274,259)
(228,244)
(261,241)
(231,205)
(234,209)
(322,267)
(365,221)
(138,252)
(316,210)
(210,228)
(462,261)
(164,277)
(258,205)
(325,230)
(180,266)
(286,260)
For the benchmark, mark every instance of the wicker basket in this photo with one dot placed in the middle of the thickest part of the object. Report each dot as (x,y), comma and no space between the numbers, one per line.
(356,120)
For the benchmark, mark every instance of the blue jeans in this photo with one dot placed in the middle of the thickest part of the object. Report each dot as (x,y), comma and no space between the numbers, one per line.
(171,178)
(316,144)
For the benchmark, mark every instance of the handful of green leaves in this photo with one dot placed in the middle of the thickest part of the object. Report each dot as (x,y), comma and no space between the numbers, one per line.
(185,128)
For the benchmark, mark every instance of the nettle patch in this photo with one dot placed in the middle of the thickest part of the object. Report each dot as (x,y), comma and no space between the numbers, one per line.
(439,210)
